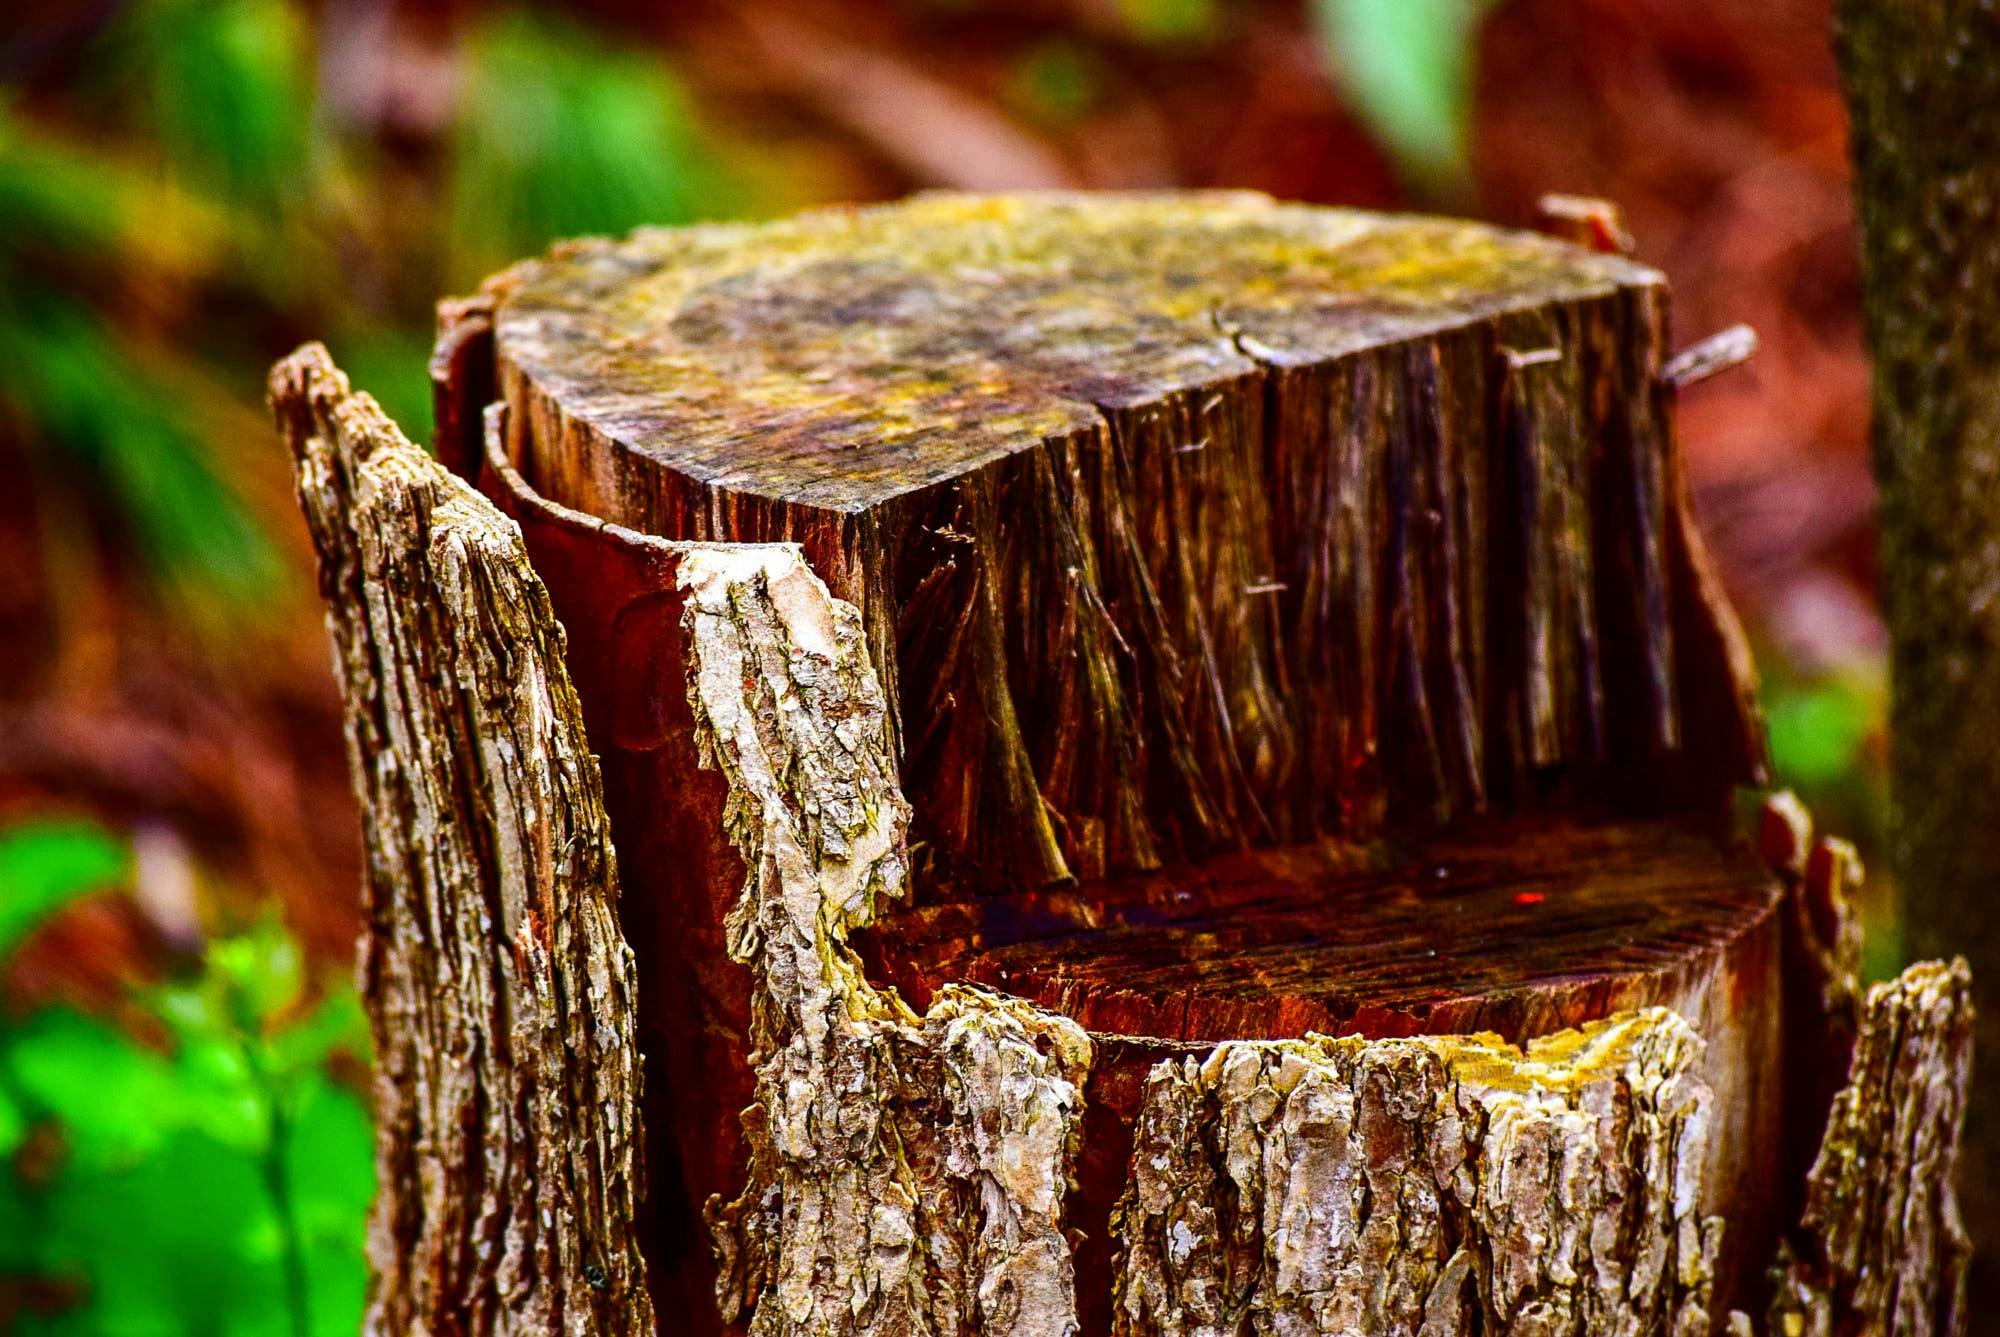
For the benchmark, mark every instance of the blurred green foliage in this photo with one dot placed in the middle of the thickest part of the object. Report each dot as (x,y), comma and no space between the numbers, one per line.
(46,865)
(195,207)
(561,136)
(1819,730)
(1406,68)
(212,1177)
(115,420)
(1054,82)
(1829,735)
(1168,20)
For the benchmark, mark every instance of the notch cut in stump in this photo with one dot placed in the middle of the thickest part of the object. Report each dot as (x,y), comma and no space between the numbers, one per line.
(1210,622)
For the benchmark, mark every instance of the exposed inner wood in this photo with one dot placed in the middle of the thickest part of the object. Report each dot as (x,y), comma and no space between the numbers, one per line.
(1533,927)
(1515,928)
(1178,525)
(1709,953)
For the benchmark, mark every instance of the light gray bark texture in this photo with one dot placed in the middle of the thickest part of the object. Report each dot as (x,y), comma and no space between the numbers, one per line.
(499,989)
(1439,1185)
(907,1173)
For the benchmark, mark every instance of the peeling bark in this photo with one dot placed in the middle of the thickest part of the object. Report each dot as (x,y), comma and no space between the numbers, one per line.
(1881,1247)
(1437,1186)
(907,1173)
(499,990)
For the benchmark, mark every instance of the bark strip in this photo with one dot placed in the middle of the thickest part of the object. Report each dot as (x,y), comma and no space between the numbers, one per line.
(1882,1248)
(906,1173)
(499,988)
(1439,1185)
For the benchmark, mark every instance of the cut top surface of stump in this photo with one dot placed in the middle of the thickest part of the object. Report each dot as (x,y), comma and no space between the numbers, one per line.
(842,358)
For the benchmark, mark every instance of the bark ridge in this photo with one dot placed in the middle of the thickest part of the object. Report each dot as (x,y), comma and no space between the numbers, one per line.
(1883,1248)
(499,988)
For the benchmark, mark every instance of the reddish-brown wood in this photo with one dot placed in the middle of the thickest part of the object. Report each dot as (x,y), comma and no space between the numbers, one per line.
(1521,928)
(1265,622)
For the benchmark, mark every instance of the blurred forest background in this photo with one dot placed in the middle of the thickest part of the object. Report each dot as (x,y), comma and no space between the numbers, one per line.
(189,188)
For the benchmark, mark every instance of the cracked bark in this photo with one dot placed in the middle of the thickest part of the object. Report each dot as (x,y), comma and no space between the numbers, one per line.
(1440,1185)
(499,990)
(906,1173)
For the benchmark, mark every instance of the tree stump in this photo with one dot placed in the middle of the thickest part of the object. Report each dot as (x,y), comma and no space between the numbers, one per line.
(1057,662)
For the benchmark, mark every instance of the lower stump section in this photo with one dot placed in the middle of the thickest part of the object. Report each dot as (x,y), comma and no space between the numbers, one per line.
(1506,934)
(908,1173)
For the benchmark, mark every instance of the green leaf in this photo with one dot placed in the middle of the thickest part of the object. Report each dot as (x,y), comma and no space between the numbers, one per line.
(220,1093)
(220,1188)
(185,1241)
(113,1099)
(1406,68)
(1817,732)
(336,1026)
(262,972)
(45,865)
(13,1124)
(329,1164)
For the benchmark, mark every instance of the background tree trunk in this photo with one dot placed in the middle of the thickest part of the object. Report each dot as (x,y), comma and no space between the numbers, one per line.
(1923,86)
